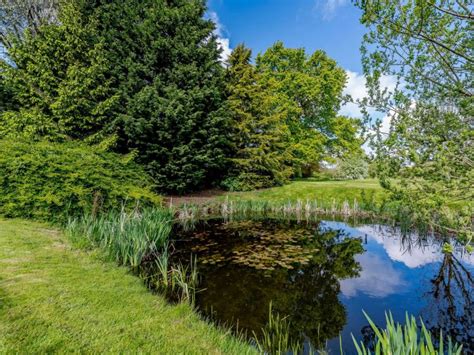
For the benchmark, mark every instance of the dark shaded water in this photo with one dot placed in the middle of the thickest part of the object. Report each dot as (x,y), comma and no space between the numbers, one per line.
(323,274)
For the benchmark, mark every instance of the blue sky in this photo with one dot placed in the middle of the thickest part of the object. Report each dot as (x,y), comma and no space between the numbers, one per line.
(331,25)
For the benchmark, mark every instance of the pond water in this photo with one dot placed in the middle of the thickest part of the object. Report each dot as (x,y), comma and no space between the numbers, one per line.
(322,275)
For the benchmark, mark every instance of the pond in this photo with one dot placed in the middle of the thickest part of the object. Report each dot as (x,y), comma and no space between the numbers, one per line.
(323,275)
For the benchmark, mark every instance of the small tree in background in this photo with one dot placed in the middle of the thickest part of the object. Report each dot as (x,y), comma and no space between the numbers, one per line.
(352,168)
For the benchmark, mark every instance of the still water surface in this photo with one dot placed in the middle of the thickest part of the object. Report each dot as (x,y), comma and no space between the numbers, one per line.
(322,275)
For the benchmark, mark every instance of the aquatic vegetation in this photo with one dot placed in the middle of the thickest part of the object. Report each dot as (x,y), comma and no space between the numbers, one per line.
(255,244)
(184,279)
(127,237)
(404,339)
(275,338)
(309,210)
(177,281)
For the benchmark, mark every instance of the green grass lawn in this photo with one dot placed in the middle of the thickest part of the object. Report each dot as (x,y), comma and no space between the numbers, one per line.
(322,191)
(54,298)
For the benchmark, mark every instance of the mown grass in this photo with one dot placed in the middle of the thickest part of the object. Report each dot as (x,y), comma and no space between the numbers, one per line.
(54,298)
(325,192)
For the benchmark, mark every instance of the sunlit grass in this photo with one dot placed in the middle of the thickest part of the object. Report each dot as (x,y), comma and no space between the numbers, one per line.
(57,299)
(323,191)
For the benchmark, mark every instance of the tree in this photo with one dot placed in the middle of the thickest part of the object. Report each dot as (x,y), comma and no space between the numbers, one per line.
(145,72)
(346,138)
(352,167)
(260,157)
(16,16)
(428,45)
(310,90)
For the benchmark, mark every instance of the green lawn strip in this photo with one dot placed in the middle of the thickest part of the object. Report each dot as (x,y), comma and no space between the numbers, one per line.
(54,298)
(322,191)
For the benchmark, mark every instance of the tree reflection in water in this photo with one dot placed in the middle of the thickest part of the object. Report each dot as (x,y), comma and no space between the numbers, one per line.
(450,298)
(306,292)
(451,302)
(245,265)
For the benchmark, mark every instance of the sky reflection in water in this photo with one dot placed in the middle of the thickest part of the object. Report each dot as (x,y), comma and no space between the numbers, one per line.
(368,267)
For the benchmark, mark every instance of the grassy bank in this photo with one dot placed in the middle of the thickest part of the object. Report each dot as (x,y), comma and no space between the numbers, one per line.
(57,299)
(325,192)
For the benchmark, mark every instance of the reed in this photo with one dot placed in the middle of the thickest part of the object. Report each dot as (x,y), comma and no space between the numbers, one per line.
(127,237)
(405,339)
(275,338)
(179,282)
(184,280)
(299,209)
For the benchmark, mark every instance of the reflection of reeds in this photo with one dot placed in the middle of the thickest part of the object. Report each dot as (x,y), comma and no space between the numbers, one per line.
(300,210)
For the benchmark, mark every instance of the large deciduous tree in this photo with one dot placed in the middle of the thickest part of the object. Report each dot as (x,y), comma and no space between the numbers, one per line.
(310,90)
(146,72)
(428,45)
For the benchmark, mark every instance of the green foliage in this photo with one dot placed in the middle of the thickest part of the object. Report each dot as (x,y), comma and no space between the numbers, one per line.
(275,337)
(352,168)
(126,237)
(260,155)
(309,92)
(347,140)
(51,181)
(147,71)
(427,46)
(406,339)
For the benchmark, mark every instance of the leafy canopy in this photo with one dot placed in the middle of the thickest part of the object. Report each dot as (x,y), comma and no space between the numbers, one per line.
(309,90)
(428,45)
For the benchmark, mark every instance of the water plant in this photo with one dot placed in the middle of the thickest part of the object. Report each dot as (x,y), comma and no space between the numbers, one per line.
(275,338)
(178,281)
(184,281)
(405,339)
(126,237)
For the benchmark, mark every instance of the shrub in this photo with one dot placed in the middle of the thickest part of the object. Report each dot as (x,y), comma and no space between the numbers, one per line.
(51,181)
(352,168)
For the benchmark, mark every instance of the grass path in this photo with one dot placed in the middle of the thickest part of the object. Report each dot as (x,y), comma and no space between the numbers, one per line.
(57,299)
(322,191)
(306,189)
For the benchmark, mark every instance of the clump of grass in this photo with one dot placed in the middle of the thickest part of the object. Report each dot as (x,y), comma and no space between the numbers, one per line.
(178,281)
(184,279)
(406,339)
(275,338)
(127,237)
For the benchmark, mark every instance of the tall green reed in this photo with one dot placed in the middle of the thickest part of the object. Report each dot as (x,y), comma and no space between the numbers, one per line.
(405,339)
(177,281)
(127,237)
(275,338)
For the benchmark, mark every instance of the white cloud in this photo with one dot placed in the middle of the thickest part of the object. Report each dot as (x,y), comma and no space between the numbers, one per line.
(378,278)
(356,88)
(222,41)
(329,7)
(412,253)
